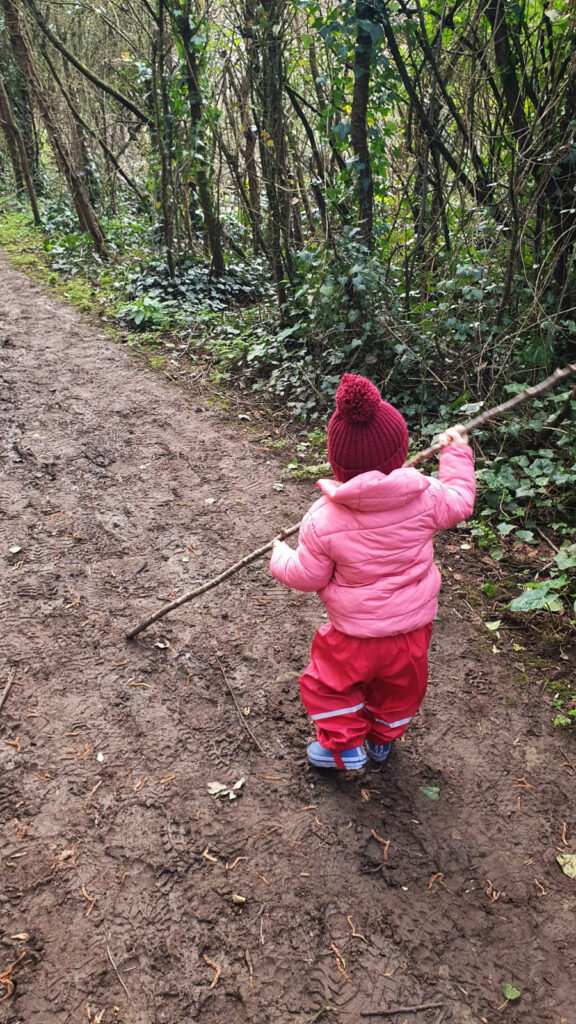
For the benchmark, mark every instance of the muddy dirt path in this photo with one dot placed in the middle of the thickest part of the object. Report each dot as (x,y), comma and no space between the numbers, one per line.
(120,874)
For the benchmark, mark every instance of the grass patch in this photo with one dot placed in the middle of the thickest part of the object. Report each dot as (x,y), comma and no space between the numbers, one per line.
(24,242)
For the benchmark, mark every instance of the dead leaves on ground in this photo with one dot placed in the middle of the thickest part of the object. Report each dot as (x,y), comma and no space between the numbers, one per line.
(7,974)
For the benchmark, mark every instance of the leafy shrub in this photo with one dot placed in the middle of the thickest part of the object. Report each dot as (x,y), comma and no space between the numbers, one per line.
(333,323)
(195,286)
(149,311)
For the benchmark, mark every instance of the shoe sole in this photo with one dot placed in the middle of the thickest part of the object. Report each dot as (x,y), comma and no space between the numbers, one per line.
(330,763)
(379,760)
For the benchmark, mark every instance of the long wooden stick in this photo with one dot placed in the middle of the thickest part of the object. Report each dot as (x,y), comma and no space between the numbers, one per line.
(499,410)
(252,557)
(473,424)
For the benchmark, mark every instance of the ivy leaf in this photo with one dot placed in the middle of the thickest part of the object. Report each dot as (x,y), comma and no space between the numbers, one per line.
(510,992)
(566,557)
(525,535)
(536,599)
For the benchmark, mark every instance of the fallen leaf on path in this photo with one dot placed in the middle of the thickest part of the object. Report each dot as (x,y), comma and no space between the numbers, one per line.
(510,992)
(220,789)
(567,862)
(431,790)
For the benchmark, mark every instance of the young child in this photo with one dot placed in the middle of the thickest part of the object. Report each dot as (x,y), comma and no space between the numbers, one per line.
(366,547)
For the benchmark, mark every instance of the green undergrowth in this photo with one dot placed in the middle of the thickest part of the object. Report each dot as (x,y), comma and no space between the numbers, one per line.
(564,702)
(22,241)
(30,249)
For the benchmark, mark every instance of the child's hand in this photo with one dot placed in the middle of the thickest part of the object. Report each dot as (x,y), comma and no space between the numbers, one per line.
(454,435)
(276,542)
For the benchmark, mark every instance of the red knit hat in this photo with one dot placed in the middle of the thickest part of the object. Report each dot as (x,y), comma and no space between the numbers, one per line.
(365,432)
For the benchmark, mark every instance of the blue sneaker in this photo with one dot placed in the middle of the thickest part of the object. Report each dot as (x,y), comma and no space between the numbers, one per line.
(346,760)
(378,751)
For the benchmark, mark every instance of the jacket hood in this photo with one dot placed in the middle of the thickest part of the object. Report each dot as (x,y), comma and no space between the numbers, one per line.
(370,492)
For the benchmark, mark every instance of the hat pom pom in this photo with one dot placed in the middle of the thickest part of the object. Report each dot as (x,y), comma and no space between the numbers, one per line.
(357,399)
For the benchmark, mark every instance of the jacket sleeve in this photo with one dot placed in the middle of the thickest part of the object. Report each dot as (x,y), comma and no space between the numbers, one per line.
(455,489)
(307,568)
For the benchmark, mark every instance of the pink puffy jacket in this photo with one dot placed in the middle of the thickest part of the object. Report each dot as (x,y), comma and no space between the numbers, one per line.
(366,545)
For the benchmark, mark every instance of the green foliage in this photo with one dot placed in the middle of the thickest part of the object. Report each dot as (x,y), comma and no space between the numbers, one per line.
(334,323)
(539,483)
(554,593)
(564,702)
(149,312)
(20,238)
(194,286)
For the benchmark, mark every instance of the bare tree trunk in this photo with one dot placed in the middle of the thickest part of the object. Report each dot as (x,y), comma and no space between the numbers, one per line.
(185,28)
(320,170)
(250,149)
(86,129)
(86,215)
(23,114)
(10,130)
(17,151)
(495,11)
(263,36)
(160,113)
(365,14)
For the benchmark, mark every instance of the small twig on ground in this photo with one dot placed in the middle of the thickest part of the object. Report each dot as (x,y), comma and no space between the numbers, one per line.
(91,900)
(325,1009)
(215,967)
(8,686)
(248,959)
(355,934)
(6,977)
(401,1009)
(547,539)
(238,708)
(118,975)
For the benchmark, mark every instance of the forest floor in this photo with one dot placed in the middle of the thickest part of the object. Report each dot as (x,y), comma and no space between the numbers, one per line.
(428,884)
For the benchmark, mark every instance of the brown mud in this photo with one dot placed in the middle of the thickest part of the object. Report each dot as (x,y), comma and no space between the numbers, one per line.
(120,874)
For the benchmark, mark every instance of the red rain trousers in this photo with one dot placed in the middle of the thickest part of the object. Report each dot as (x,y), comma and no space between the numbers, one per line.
(358,688)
